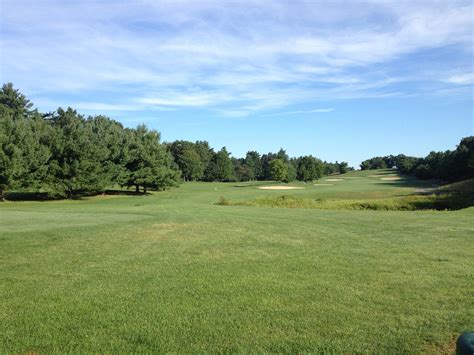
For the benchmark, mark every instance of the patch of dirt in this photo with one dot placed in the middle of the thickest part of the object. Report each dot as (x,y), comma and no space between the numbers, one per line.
(392,178)
(278,187)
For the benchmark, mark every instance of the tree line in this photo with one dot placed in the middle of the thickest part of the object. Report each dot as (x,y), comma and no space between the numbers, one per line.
(450,165)
(64,153)
(199,162)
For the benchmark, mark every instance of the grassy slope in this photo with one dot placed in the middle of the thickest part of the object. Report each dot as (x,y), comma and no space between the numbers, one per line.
(173,271)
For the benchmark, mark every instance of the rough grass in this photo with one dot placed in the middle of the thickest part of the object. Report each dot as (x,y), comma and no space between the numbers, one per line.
(451,201)
(173,272)
(450,197)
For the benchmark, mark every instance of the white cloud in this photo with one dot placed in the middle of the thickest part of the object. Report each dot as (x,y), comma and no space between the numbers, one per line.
(235,58)
(300,112)
(461,79)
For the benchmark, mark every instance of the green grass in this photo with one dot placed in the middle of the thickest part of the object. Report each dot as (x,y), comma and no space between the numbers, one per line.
(450,197)
(173,271)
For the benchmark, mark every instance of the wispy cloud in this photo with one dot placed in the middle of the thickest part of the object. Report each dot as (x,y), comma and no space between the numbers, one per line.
(303,112)
(235,58)
(461,79)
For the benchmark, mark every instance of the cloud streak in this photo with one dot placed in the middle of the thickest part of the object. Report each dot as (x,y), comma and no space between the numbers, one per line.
(234,59)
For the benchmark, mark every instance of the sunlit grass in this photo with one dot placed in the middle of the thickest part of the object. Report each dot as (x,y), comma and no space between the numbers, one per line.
(174,272)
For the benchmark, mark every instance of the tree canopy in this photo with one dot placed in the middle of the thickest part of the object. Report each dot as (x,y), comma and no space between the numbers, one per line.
(64,153)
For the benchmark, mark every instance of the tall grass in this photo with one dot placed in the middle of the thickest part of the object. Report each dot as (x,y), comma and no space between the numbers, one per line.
(448,201)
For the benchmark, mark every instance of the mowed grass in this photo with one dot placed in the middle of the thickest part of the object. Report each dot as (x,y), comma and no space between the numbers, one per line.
(173,271)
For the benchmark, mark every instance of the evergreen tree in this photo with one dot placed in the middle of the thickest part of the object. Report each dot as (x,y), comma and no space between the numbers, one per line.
(16,102)
(109,138)
(75,162)
(146,161)
(23,136)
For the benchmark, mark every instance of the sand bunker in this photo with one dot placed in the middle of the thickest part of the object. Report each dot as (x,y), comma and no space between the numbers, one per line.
(278,187)
(377,176)
(334,180)
(323,184)
(393,178)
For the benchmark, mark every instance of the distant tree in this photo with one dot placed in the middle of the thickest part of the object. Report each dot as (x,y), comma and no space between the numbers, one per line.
(282,155)
(220,167)
(278,170)
(191,164)
(343,167)
(462,159)
(241,170)
(373,163)
(291,175)
(205,153)
(266,159)
(309,169)
(187,158)
(254,165)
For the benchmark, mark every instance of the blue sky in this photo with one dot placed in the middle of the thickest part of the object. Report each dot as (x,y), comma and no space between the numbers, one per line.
(341,80)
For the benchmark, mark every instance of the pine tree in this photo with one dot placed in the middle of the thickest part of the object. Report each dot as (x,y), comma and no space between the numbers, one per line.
(146,161)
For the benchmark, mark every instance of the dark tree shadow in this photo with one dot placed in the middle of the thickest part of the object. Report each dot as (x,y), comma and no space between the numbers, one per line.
(410,182)
(29,196)
(125,193)
(76,195)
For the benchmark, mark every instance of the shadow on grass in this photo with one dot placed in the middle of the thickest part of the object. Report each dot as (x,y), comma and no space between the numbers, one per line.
(126,193)
(29,196)
(411,183)
(444,201)
(77,195)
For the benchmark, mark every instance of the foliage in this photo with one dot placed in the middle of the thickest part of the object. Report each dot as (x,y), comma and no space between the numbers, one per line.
(190,159)
(220,167)
(309,168)
(63,153)
(278,170)
(448,166)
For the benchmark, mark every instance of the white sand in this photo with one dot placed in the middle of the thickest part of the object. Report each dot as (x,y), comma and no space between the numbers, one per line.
(323,184)
(334,180)
(393,178)
(278,187)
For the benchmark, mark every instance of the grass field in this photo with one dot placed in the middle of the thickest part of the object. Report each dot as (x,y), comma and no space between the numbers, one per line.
(174,271)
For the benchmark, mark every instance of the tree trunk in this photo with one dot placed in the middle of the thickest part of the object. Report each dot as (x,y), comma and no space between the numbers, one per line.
(2,197)
(137,188)
(144,189)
